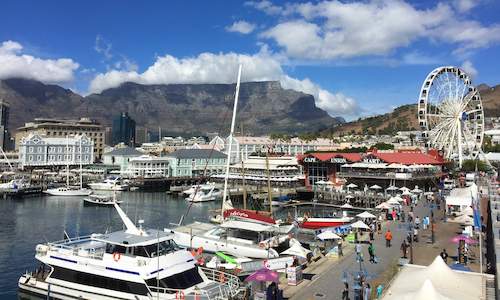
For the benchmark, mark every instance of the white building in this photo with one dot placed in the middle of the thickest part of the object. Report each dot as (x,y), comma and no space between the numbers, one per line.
(120,157)
(244,146)
(40,151)
(495,136)
(196,162)
(147,166)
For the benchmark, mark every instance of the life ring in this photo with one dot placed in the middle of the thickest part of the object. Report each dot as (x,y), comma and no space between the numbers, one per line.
(179,295)
(116,256)
(201,261)
(222,278)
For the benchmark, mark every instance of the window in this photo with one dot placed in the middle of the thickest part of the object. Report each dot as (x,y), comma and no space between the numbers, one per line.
(99,281)
(182,280)
(30,149)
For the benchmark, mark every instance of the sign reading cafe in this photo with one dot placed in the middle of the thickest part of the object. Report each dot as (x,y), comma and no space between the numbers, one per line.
(309,159)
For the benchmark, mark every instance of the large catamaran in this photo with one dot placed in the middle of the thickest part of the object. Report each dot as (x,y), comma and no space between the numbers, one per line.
(135,263)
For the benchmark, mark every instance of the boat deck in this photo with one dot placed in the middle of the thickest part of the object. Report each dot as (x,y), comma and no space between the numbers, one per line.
(196,228)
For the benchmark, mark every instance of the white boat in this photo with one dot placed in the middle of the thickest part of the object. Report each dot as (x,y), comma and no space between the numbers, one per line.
(109,184)
(192,189)
(130,264)
(15,184)
(238,238)
(68,191)
(100,200)
(205,193)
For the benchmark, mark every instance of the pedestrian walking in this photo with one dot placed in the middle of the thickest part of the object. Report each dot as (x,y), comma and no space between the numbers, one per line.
(394,215)
(357,248)
(417,222)
(339,245)
(415,235)
(367,292)
(388,238)
(379,226)
(345,291)
(404,248)
(444,255)
(371,252)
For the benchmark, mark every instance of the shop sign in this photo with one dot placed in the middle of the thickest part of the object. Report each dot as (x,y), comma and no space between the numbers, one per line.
(372,160)
(338,160)
(309,159)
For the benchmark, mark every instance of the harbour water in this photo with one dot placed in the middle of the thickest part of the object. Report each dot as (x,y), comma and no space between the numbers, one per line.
(24,223)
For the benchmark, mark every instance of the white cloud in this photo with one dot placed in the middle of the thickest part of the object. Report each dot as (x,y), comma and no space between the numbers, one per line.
(242,27)
(13,63)
(330,30)
(469,69)
(465,5)
(222,68)
(266,6)
(103,47)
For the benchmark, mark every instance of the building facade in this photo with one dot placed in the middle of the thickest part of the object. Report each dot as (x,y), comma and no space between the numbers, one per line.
(147,166)
(123,130)
(196,162)
(39,151)
(59,128)
(245,146)
(120,157)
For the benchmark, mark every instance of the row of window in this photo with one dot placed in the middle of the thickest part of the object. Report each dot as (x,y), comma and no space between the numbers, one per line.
(56,157)
(52,149)
(99,281)
(61,133)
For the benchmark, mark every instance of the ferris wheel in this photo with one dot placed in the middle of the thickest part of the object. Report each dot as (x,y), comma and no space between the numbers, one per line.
(450,114)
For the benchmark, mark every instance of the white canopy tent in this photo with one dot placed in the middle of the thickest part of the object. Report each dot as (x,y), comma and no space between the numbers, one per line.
(297,250)
(347,205)
(376,187)
(360,225)
(462,196)
(328,235)
(384,205)
(352,186)
(366,215)
(393,201)
(445,283)
(392,188)
(462,219)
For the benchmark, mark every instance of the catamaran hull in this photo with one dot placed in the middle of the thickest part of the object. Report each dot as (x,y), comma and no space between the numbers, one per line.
(33,286)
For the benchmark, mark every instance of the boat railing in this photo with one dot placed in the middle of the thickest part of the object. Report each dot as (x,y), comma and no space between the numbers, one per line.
(226,286)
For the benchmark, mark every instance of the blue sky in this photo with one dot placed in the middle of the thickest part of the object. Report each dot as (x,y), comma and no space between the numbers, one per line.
(356,58)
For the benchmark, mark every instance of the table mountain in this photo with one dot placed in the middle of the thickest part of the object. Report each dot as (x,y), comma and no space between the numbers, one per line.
(264,107)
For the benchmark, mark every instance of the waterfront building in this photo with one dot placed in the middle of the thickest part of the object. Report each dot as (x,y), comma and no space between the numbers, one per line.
(147,166)
(5,141)
(245,146)
(60,128)
(39,151)
(123,130)
(494,134)
(374,167)
(282,170)
(196,162)
(120,157)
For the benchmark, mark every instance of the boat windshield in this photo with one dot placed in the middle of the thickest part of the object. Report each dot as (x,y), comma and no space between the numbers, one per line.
(181,280)
(153,250)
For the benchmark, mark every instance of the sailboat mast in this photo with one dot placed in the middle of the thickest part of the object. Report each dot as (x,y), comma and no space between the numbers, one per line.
(81,175)
(269,191)
(230,146)
(243,182)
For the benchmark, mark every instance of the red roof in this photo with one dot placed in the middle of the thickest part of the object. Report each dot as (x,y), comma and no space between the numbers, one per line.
(324,156)
(408,158)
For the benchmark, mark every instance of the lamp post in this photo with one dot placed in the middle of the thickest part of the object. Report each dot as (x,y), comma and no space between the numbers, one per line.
(411,242)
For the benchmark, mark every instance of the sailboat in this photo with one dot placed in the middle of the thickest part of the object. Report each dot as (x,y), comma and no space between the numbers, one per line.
(244,237)
(70,190)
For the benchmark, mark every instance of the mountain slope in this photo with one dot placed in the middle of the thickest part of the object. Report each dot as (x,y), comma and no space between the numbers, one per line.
(405,117)
(264,107)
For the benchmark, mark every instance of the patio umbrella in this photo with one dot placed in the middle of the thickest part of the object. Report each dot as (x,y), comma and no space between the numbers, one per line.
(404,189)
(464,238)
(328,235)
(406,193)
(366,215)
(349,196)
(376,187)
(383,205)
(416,190)
(392,200)
(352,186)
(392,188)
(263,275)
(330,183)
(360,225)
(297,250)
(346,205)
(399,199)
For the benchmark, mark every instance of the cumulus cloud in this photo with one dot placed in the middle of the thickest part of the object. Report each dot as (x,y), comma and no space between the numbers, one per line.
(330,30)
(242,27)
(469,68)
(465,5)
(13,63)
(266,6)
(222,68)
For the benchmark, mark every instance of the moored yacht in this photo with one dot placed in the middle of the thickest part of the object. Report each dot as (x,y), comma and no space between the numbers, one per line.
(192,189)
(238,238)
(109,184)
(129,264)
(68,191)
(205,193)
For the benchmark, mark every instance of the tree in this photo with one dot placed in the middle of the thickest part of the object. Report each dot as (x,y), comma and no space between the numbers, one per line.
(383,146)
(469,165)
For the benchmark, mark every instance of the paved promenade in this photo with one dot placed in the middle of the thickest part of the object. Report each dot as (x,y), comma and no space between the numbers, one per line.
(324,278)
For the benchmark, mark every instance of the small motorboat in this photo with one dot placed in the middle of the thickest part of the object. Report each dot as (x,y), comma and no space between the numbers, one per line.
(100,200)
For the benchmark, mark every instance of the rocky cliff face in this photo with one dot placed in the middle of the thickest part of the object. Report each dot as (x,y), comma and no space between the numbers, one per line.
(264,107)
